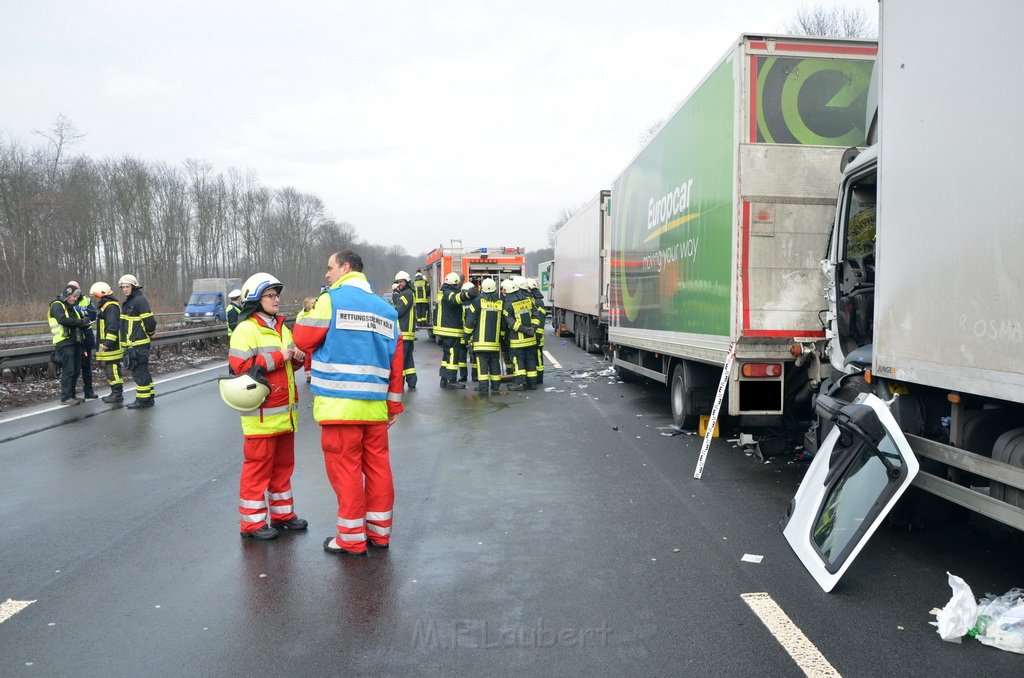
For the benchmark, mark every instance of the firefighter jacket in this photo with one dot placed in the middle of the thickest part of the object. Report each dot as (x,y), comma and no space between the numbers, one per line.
(518,314)
(259,341)
(540,313)
(358,354)
(448,312)
(483,322)
(231,316)
(421,293)
(65,322)
(137,321)
(403,301)
(108,331)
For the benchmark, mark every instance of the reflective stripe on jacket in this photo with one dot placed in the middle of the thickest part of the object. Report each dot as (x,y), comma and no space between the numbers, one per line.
(483,322)
(137,321)
(254,343)
(356,374)
(64,321)
(448,311)
(403,301)
(108,331)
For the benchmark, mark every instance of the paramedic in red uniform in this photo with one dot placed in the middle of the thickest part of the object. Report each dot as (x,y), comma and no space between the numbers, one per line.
(357,385)
(261,340)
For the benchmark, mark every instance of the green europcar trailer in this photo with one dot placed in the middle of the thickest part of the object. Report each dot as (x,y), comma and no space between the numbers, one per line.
(720,223)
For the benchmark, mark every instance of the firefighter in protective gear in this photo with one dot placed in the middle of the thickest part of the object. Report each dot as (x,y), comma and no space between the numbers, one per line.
(448,326)
(483,330)
(357,386)
(108,339)
(517,312)
(262,342)
(465,361)
(66,325)
(540,315)
(137,328)
(421,295)
(404,300)
(234,310)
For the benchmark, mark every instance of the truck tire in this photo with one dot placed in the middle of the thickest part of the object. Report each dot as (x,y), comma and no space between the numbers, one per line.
(681,398)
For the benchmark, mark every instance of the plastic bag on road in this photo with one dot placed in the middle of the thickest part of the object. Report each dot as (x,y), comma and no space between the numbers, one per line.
(994,620)
(1001,621)
(959,614)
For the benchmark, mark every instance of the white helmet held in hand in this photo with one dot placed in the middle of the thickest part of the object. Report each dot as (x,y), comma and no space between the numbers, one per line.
(467,285)
(452,278)
(258,283)
(128,279)
(243,392)
(487,285)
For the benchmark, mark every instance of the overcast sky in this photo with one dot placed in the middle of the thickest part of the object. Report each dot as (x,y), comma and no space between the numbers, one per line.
(416,121)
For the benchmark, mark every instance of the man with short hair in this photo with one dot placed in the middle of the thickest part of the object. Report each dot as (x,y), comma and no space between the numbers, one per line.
(357,387)
(66,325)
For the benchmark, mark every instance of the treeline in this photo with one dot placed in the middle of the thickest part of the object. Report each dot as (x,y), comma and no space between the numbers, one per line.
(73,217)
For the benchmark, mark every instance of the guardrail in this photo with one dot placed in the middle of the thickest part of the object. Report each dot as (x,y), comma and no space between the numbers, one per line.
(30,356)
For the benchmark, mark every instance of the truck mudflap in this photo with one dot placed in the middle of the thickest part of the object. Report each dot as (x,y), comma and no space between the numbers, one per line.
(864,466)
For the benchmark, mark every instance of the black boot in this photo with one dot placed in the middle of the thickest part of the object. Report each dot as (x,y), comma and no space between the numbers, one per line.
(141,403)
(116,395)
(482,387)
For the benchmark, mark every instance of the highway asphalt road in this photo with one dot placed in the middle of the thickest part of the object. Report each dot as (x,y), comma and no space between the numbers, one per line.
(553,532)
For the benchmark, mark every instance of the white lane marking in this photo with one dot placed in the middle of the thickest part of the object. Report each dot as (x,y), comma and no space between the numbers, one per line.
(218,366)
(792,639)
(12,607)
(551,359)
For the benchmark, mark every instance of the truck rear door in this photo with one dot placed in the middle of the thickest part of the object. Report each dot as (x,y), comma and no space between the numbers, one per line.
(863,467)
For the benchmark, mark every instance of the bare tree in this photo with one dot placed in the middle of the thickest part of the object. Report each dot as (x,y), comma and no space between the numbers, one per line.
(562,218)
(834,22)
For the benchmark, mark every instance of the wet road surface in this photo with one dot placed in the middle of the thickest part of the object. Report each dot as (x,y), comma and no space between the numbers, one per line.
(541,533)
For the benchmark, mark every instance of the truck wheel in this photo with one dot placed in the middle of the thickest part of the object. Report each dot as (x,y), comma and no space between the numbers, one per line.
(681,398)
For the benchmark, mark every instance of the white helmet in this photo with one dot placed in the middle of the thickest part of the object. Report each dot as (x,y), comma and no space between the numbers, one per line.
(467,285)
(508,286)
(244,392)
(235,294)
(402,275)
(487,285)
(258,283)
(100,289)
(531,284)
(128,279)
(452,278)
(520,282)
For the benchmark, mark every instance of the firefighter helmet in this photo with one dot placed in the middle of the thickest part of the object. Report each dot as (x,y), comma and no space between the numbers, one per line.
(467,285)
(100,289)
(487,285)
(244,392)
(402,275)
(258,283)
(531,284)
(508,286)
(520,282)
(128,279)
(452,278)
(235,294)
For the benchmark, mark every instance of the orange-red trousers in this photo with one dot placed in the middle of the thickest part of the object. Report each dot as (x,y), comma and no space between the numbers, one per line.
(359,469)
(265,489)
